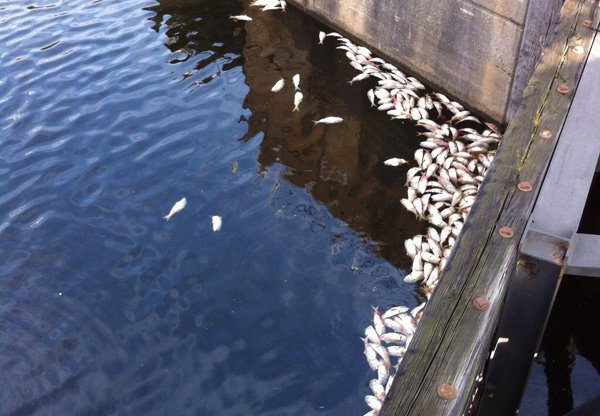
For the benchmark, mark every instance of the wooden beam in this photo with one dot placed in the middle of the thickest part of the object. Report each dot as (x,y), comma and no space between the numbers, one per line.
(454,339)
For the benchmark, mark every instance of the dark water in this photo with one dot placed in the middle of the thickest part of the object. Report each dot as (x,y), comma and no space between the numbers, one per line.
(110,111)
(566,373)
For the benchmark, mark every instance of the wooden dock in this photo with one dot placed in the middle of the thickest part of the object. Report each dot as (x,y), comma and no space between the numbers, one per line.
(447,364)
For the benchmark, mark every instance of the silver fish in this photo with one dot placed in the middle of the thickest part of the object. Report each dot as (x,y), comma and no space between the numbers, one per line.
(329,120)
(178,206)
(278,85)
(217,222)
(373,402)
(395,162)
(321,37)
(297,100)
(241,17)
(296,81)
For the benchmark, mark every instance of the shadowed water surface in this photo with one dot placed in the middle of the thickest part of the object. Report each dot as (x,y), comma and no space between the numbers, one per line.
(110,112)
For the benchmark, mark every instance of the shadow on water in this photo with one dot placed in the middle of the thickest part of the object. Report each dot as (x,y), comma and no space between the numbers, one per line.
(340,165)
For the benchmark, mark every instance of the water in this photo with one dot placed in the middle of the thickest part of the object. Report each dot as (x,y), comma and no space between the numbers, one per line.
(110,112)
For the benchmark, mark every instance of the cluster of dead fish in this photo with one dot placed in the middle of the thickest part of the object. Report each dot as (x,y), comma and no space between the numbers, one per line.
(454,156)
(387,337)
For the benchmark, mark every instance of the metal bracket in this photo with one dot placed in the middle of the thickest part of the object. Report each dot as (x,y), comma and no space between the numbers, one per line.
(543,246)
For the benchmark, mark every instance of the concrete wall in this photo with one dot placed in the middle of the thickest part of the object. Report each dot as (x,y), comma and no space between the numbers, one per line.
(480,51)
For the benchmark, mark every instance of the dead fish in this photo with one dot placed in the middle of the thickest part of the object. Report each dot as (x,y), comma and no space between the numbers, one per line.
(377,388)
(378,321)
(373,402)
(371,96)
(217,222)
(393,337)
(372,335)
(278,85)
(329,120)
(383,374)
(396,351)
(296,81)
(241,17)
(359,77)
(395,310)
(179,205)
(321,37)
(383,353)
(371,355)
(297,100)
(395,162)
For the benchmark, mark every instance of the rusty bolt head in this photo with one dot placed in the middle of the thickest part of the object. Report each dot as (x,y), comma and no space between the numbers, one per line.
(563,88)
(578,49)
(506,232)
(524,186)
(545,134)
(481,303)
(586,23)
(446,391)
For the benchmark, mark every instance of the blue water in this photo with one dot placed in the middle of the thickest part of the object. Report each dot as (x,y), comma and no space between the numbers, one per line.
(110,112)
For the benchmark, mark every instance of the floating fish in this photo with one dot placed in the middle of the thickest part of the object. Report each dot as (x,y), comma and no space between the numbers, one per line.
(395,162)
(321,37)
(241,17)
(178,206)
(329,120)
(278,85)
(373,402)
(297,100)
(296,81)
(217,222)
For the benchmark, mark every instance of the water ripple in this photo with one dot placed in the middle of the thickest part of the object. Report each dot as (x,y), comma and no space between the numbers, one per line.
(113,110)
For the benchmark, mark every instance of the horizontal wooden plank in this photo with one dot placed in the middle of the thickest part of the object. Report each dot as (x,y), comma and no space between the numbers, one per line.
(454,339)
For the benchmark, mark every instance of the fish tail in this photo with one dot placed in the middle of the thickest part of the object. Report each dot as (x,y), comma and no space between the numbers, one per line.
(296,108)
(167,217)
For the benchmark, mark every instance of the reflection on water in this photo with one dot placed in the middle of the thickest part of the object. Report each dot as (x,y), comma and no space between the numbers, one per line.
(340,165)
(112,111)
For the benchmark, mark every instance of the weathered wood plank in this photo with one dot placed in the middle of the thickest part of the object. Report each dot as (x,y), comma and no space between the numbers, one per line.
(454,339)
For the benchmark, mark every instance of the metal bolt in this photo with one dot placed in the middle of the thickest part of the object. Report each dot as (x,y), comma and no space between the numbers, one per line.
(446,391)
(586,23)
(506,232)
(563,88)
(524,186)
(578,49)
(545,134)
(481,303)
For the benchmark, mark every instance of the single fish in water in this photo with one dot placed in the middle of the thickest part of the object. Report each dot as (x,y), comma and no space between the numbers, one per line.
(395,162)
(329,120)
(179,205)
(296,81)
(321,37)
(297,100)
(241,17)
(217,222)
(278,85)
